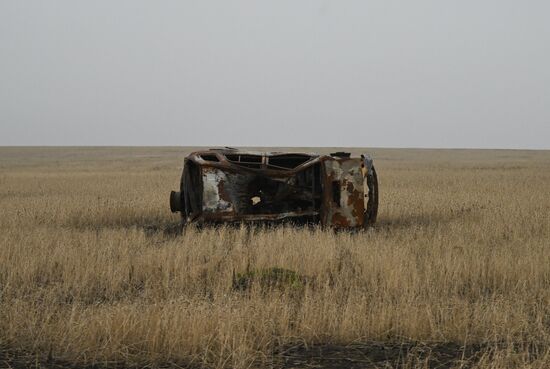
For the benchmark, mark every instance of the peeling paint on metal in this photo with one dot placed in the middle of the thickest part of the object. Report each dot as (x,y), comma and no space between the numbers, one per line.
(212,201)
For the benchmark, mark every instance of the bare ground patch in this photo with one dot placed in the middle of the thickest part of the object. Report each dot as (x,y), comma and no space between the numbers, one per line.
(366,355)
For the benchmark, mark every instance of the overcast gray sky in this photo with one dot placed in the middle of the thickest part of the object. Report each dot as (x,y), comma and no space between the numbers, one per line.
(276,73)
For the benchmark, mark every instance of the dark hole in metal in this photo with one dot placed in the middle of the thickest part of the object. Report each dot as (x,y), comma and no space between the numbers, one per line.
(269,196)
(336,192)
(340,154)
(288,161)
(209,157)
(245,160)
(191,190)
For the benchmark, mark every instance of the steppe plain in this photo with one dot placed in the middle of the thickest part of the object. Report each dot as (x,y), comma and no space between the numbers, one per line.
(455,274)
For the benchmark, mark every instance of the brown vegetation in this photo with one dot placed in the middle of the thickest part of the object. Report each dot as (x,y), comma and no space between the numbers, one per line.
(457,270)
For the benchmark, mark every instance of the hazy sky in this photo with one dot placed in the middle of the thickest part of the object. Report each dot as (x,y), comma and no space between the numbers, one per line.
(276,73)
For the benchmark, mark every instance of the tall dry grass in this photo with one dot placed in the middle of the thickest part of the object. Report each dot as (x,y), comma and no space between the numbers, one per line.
(461,255)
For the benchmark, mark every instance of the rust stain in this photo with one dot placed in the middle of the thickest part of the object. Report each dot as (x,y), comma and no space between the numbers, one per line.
(339,220)
(221,189)
(355,201)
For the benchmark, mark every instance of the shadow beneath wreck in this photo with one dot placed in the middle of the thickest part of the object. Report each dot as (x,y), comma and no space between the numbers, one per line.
(165,229)
(150,226)
(153,226)
(425,220)
(412,221)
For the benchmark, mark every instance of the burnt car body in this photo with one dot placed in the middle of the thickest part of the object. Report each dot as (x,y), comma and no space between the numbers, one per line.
(229,185)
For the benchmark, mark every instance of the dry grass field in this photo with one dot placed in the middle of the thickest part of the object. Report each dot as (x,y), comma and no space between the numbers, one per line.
(456,274)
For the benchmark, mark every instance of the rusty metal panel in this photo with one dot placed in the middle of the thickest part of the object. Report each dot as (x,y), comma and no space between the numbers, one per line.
(346,208)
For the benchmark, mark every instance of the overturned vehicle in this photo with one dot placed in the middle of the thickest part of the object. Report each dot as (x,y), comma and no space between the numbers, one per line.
(229,185)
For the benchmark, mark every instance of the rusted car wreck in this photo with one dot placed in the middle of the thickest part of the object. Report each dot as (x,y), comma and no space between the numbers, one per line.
(229,185)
